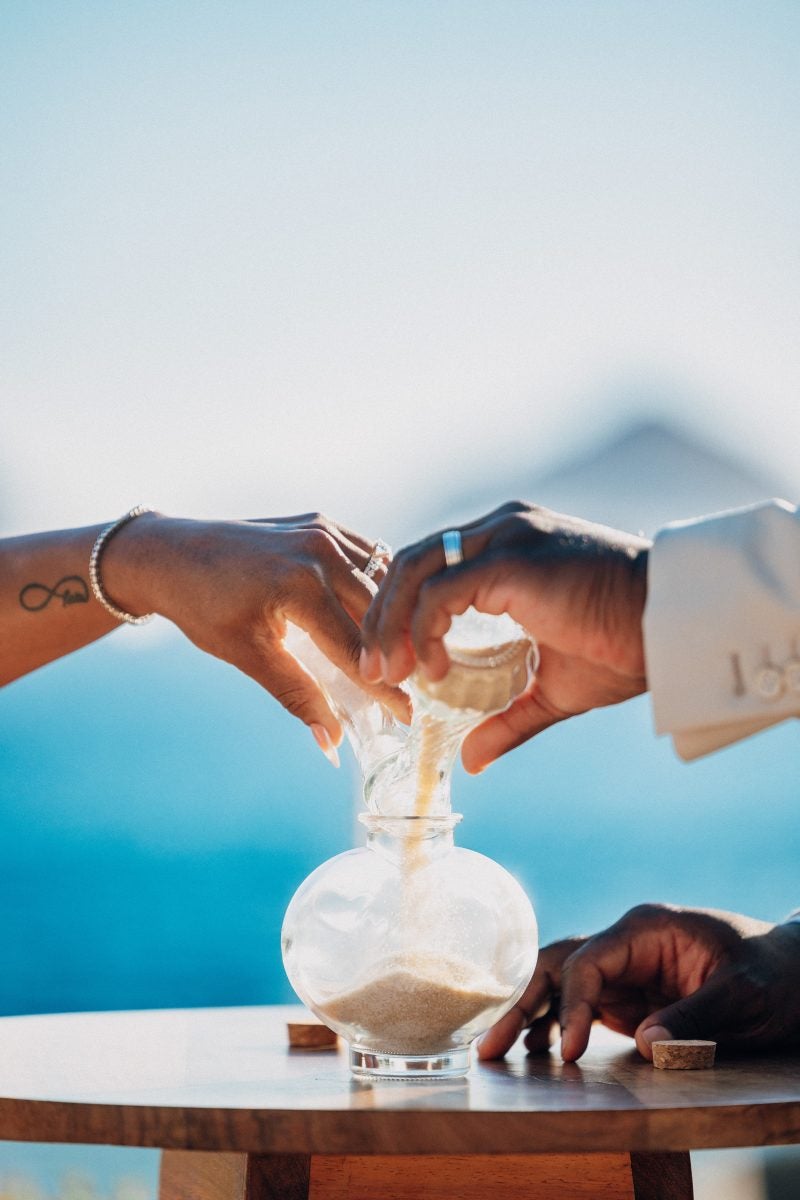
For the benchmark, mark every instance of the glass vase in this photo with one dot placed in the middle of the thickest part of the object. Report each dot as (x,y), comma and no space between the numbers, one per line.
(410,947)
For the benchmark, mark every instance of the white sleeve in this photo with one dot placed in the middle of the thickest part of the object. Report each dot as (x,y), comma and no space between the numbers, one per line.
(722,626)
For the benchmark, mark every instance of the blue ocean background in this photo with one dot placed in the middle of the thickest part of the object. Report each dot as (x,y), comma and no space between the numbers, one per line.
(158,808)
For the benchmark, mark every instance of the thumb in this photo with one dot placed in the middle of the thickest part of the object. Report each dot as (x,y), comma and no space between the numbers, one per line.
(700,1015)
(523,720)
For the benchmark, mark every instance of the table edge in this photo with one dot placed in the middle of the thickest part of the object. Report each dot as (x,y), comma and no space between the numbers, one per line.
(369,1132)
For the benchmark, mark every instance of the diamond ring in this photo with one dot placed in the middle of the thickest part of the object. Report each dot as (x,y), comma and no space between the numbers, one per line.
(381,554)
(453,552)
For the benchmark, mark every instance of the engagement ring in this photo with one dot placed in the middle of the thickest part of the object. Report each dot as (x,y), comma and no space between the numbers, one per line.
(381,554)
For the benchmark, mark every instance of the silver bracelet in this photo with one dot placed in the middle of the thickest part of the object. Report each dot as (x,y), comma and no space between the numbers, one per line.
(94,567)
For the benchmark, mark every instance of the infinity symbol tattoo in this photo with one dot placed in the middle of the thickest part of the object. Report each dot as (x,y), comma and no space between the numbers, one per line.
(69,590)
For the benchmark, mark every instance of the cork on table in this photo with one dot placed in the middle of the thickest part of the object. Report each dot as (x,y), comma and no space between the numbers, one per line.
(242,1116)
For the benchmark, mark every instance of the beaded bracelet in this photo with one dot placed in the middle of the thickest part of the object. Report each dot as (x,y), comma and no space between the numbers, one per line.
(94,567)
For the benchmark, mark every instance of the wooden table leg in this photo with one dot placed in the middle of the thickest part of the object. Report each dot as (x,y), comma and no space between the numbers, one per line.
(472,1177)
(278,1176)
(662,1176)
(196,1175)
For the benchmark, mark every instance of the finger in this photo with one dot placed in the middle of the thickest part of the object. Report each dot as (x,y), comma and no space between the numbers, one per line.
(343,533)
(316,520)
(534,1001)
(359,554)
(599,962)
(543,1033)
(479,582)
(353,590)
(526,717)
(388,651)
(325,600)
(359,550)
(712,1008)
(370,662)
(387,628)
(498,1040)
(292,686)
(623,1016)
(327,622)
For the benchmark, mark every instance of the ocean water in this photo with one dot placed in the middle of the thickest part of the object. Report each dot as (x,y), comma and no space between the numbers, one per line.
(158,809)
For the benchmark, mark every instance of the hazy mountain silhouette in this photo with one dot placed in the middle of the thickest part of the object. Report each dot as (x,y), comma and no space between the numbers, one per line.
(640,477)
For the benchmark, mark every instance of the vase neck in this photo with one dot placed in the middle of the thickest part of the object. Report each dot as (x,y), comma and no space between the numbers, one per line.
(415,781)
(404,838)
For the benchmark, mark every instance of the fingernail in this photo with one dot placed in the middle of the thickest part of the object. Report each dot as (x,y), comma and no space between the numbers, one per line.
(384,666)
(323,740)
(363,658)
(656,1033)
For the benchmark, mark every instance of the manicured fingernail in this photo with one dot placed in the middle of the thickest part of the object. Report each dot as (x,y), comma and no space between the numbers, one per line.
(384,667)
(323,740)
(656,1033)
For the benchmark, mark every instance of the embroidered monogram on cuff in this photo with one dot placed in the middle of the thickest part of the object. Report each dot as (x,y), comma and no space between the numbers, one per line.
(94,567)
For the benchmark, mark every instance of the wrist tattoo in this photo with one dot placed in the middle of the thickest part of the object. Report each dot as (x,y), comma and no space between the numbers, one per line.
(69,590)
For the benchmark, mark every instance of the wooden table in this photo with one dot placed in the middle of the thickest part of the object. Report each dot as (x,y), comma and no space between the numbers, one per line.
(242,1117)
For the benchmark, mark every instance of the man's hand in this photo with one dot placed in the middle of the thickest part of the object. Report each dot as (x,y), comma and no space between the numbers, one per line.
(578,588)
(661,973)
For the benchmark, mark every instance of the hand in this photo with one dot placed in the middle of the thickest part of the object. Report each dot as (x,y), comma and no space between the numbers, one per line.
(578,588)
(661,973)
(231,586)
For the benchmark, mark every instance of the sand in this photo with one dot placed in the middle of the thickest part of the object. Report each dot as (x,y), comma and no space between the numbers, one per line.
(415,1008)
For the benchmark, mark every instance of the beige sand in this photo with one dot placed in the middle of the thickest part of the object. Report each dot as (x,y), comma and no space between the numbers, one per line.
(415,1008)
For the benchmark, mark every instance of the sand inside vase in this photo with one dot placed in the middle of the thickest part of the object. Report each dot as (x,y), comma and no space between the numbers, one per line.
(415,1006)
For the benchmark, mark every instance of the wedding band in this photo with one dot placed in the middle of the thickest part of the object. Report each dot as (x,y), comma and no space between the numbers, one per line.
(381,554)
(453,552)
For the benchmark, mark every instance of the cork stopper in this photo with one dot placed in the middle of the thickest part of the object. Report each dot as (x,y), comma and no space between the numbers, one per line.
(686,1055)
(310,1034)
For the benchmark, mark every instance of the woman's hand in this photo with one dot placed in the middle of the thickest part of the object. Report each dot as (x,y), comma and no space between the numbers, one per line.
(661,973)
(232,586)
(578,588)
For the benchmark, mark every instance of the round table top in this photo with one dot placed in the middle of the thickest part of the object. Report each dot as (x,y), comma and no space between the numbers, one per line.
(225,1079)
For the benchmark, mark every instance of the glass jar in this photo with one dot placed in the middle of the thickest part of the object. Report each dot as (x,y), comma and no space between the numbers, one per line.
(411,947)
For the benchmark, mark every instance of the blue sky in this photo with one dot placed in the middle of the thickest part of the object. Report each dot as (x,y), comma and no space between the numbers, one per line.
(259,258)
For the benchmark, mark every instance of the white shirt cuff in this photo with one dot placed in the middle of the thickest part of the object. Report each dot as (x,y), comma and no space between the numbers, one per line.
(722,626)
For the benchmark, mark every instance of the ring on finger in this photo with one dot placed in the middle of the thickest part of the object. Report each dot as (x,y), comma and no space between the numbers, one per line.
(381,554)
(453,550)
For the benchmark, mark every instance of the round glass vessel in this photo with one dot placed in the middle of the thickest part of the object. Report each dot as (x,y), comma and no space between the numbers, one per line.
(411,947)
